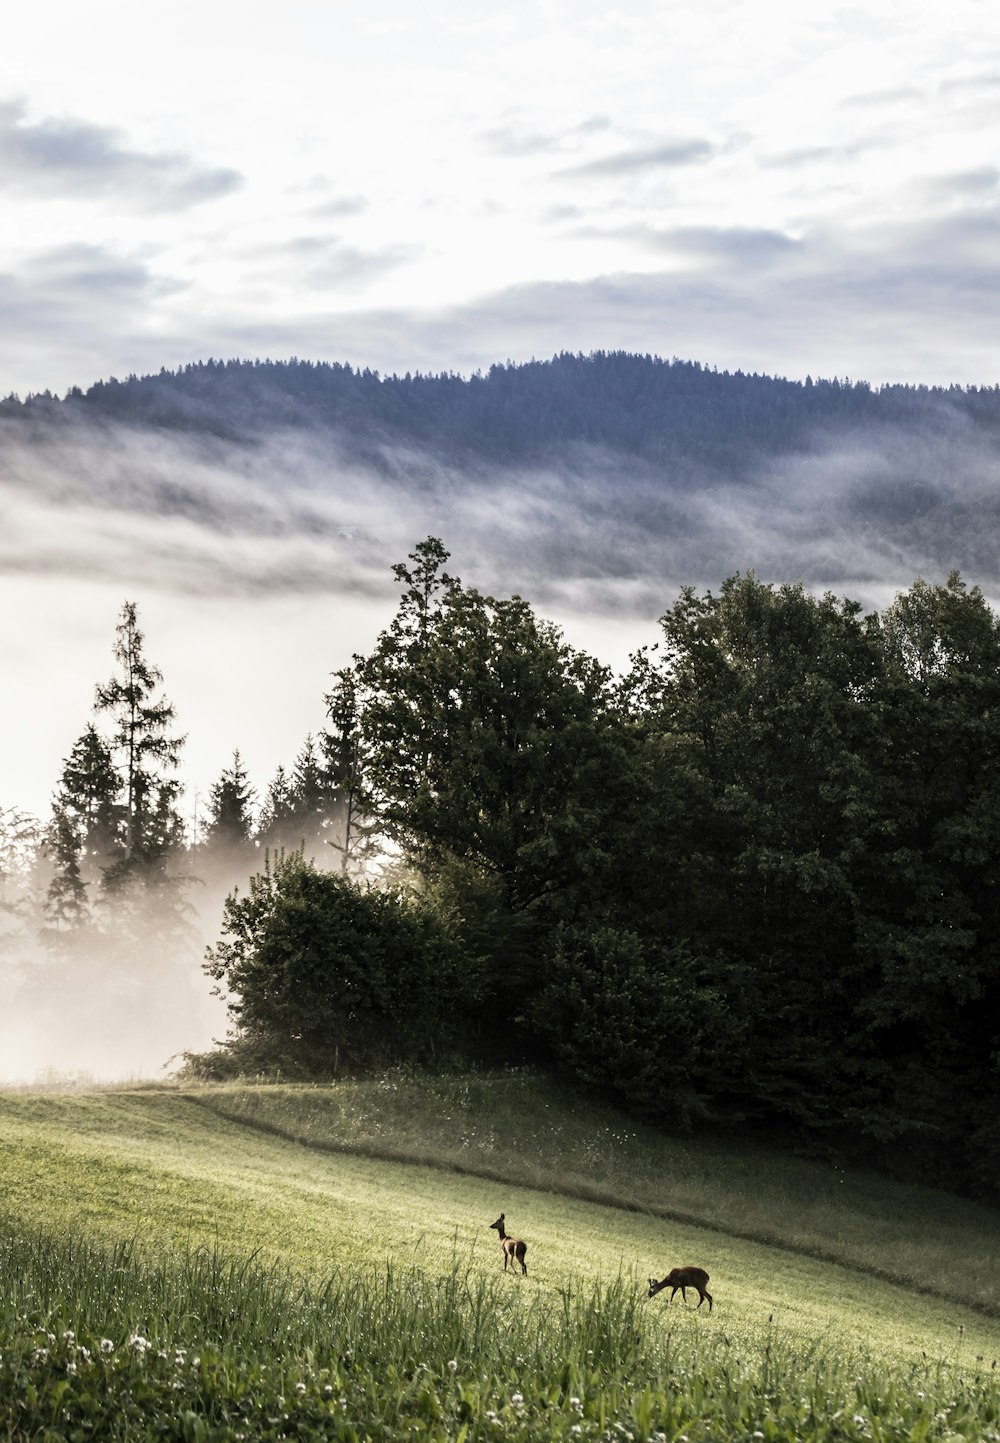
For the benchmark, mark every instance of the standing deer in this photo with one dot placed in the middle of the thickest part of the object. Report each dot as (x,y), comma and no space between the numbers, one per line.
(513,1248)
(684,1278)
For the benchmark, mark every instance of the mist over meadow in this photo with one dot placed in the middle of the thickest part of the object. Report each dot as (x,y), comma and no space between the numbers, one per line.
(254,512)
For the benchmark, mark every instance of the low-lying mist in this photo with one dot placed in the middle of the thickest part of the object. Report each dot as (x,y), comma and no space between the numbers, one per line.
(259,569)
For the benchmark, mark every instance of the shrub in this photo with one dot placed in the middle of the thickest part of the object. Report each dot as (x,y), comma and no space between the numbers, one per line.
(328,974)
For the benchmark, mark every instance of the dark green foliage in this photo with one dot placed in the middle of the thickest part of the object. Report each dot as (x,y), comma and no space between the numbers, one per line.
(230,803)
(86,829)
(653,1026)
(300,807)
(485,734)
(330,974)
(275,823)
(353,833)
(146,755)
(757,880)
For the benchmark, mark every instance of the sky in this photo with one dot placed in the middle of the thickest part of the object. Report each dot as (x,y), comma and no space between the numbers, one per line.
(770,186)
(766,186)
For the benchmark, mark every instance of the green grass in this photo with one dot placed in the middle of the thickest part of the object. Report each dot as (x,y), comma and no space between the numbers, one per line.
(344,1280)
(516,1127)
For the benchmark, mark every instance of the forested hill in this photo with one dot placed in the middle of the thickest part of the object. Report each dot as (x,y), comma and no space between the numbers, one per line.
(638,406)
(604,481)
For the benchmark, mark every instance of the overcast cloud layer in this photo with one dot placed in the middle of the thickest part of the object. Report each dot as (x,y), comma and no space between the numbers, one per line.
(758,185)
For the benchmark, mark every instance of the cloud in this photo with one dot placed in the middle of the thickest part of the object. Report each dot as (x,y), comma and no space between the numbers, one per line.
(874,99)
(667,156)
(513,140)
(328,261)
(739,245)
(67,289)
(340,207)
(980,183)
(509,140)
(986,82)
(73,157)
(816,155)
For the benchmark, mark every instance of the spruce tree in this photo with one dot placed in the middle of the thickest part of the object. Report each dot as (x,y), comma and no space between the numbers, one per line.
(353,832)
(312,797)
(230,802)
(147,753)
(275,823)
(85,832)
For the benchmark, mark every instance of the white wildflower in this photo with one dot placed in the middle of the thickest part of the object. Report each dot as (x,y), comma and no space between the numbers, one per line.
(107,1346)
(452,1365)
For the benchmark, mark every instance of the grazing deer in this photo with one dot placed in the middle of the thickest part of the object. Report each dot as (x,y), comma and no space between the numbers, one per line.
(513,1248)
(684,1278)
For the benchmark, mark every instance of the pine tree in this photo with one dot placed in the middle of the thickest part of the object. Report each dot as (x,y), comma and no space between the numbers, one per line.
(275,823)
(230,801)
(84,834)
(147,752)
(353,830)
(312,797)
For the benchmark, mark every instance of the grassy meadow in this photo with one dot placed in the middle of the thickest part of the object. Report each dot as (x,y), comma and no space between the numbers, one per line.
(278,1261)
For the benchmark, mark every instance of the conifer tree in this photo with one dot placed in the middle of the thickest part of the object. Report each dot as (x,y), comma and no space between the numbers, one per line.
(275,822)
(353,830)
(230,801)
(147,752)
(84,835)
(312,797)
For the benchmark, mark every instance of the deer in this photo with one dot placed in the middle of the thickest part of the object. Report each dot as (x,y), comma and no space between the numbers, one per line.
(513,1248)
(683,1278)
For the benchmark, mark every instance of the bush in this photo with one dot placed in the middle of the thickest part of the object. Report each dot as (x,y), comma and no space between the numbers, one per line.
(329,975)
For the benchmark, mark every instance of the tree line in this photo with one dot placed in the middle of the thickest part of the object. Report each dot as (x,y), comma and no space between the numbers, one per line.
(676,415)
(753,880)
